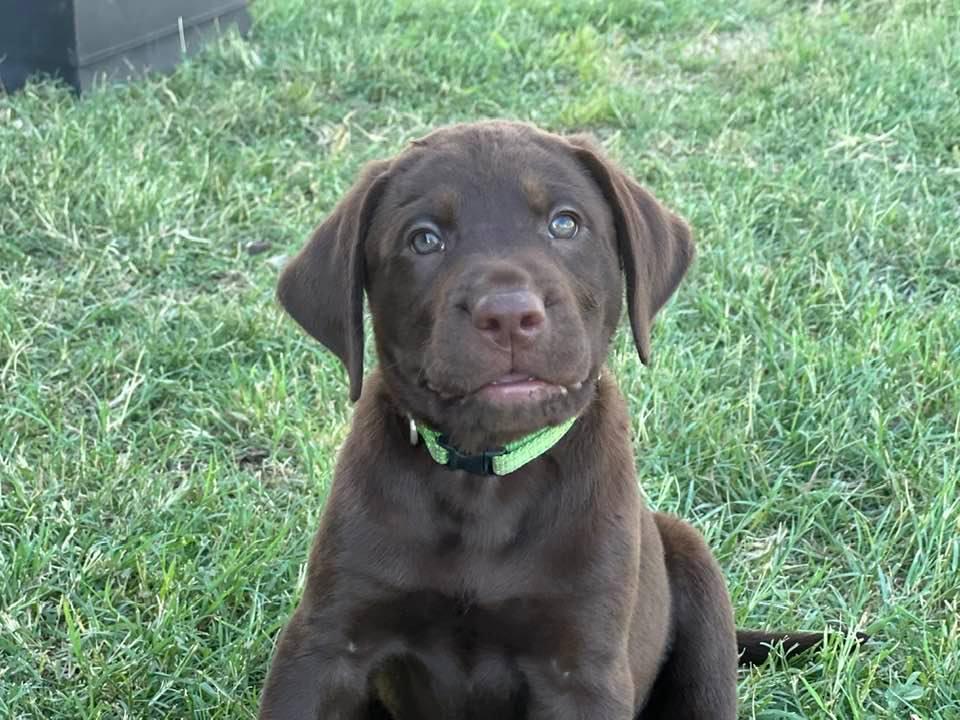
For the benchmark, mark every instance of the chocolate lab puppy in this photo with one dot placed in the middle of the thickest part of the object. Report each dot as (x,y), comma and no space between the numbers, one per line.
(484,552)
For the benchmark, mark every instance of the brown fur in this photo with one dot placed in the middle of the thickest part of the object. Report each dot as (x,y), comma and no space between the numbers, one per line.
(552,592)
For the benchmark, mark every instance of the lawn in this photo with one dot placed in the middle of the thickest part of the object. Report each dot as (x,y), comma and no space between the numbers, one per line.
(167,436)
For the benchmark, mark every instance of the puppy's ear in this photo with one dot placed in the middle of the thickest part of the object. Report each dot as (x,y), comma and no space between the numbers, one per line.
(322,287)
(655,245)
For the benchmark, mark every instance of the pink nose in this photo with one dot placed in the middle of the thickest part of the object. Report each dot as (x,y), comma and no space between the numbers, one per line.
(508,318)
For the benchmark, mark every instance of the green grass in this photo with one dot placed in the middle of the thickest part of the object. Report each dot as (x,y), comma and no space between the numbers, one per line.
(166,436)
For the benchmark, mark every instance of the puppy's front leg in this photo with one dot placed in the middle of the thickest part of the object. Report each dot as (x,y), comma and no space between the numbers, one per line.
(310,678)
(563,692)
(698,679)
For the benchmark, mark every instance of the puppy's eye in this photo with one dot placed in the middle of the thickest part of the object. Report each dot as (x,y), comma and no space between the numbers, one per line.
(564,226)
(425,242)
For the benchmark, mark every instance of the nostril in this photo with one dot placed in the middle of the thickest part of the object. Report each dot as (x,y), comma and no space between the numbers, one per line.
(531,321)
(489,324)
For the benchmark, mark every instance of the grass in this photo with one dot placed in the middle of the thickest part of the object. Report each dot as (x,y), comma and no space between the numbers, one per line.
(166,437)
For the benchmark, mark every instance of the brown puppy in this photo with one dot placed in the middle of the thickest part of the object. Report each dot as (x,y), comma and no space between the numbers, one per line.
(494,256)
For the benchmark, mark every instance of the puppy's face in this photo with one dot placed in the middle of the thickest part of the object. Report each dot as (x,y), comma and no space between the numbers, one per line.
(493,278)
(491,255)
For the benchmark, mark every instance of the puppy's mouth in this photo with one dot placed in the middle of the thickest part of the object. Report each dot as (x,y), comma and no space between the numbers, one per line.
(513,389)
(519,388)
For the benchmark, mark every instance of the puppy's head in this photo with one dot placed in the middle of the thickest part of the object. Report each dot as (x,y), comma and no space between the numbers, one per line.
(492,257)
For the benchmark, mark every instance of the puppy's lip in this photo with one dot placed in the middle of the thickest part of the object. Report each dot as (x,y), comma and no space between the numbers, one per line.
(511,386)
(513,378)
(519,387)
(505,387)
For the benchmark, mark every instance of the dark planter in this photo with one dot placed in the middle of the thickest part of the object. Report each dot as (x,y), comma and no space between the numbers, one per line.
(92,41)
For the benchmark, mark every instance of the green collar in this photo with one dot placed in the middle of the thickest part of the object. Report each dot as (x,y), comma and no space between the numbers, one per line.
(501,461)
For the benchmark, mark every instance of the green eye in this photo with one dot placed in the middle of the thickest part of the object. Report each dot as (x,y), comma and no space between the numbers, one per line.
(425,242)
(563,226)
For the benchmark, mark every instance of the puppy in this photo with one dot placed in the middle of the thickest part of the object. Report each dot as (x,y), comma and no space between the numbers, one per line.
(484,552)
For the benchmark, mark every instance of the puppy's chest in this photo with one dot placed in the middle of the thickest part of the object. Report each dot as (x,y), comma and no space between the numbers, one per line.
(434,620)
(470,594)
(451,652)
(480,516)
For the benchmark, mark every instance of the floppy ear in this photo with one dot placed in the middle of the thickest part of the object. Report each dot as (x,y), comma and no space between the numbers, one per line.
(322,287)
(655,245)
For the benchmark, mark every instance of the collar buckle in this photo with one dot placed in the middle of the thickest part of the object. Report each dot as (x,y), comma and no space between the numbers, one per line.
(479,464)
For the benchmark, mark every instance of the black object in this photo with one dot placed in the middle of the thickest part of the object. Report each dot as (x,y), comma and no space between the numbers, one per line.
(90,41)
(480,464)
